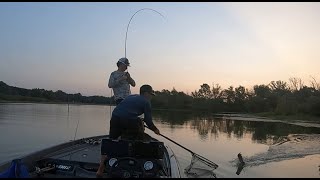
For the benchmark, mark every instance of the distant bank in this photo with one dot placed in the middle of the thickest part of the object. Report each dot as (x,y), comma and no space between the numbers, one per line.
(16,94)
(277,100)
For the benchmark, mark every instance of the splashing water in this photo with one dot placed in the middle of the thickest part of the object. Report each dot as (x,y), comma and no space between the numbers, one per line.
(290,147)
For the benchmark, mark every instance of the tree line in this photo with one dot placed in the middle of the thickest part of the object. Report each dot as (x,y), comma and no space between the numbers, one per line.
(279,97)
(10,93)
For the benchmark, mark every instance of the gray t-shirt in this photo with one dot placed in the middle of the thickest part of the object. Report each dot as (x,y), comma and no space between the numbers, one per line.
(121,88)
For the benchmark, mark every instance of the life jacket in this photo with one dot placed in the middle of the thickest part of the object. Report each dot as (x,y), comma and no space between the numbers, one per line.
(16,170)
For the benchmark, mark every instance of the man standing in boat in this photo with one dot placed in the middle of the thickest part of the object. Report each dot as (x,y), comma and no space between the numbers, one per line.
(120,81)
(125,120)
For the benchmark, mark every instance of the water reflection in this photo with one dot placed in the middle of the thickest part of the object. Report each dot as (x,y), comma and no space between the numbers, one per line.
(26,128)
(261,142)
(208,124)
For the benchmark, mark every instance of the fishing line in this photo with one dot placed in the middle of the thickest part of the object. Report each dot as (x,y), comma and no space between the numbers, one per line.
(75,133)
(68,115)
(111,101)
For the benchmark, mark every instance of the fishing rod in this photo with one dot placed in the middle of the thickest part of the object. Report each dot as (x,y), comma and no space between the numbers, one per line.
(194,155)
(126,37)
(125,42)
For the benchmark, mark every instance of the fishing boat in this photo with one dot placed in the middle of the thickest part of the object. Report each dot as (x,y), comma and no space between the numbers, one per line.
(80,159)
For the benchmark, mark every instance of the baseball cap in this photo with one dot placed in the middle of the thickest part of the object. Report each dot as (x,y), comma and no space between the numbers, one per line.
(147,88)
(124,61)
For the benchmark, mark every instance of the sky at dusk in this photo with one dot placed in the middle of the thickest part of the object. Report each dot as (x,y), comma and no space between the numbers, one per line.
(74,47)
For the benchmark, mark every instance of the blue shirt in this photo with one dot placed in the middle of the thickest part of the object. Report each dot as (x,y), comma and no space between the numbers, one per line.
(132,107)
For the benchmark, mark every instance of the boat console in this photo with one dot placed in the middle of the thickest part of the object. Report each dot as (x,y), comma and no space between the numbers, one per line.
(125,159)
(130,159)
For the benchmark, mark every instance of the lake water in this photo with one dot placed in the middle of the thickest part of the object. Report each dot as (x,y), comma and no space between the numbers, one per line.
(270,148)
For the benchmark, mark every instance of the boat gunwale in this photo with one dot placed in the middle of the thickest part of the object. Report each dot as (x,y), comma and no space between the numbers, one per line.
(28,159)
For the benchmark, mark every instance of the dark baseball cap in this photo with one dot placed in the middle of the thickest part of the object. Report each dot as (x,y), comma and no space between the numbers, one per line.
(147,88)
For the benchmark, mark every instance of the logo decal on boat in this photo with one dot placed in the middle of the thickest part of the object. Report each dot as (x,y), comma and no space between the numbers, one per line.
(63,167)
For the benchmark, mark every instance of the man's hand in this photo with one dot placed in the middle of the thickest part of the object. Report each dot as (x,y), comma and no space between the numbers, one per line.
(128,75)
(130,80)
(124,77)
(157,131)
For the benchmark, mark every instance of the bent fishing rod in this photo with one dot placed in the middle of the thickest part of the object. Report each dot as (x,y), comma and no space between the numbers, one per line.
(126,37)
(125,42)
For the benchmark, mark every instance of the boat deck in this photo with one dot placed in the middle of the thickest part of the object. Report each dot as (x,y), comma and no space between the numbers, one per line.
(81,158)
(88,153)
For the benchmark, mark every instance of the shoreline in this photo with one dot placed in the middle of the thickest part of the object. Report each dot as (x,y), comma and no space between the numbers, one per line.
(268,115)
(47,102)
(295,117)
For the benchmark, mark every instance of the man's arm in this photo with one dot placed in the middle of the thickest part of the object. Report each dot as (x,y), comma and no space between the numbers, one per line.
(130,80)
(148,117)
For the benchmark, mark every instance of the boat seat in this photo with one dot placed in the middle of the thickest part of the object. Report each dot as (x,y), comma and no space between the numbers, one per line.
(132,148)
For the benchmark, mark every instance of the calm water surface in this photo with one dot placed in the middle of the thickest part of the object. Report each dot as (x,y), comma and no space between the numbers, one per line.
(269,148)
